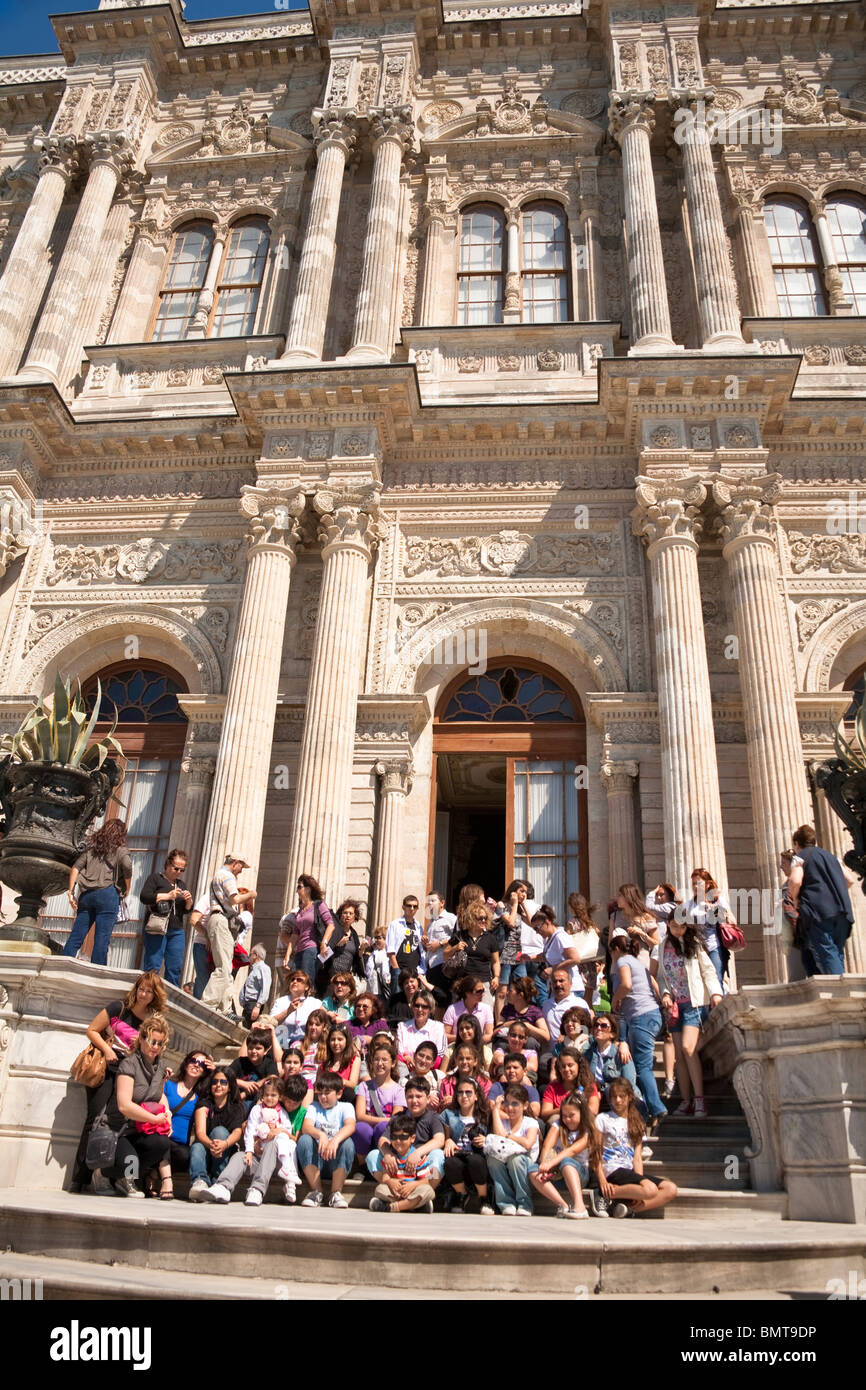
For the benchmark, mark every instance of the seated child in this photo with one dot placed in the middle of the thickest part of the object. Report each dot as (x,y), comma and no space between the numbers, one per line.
(270,1138)
(408,1189)
(429,1136)
(424,1067)
(563,1168)
(619,1167)
(516,1040)
(510,1176)
(260,1056)
(326,1144)
(514,1074)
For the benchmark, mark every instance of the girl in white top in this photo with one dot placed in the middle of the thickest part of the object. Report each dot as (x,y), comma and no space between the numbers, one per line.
(618,1160)
(510,1176)
(269,1123)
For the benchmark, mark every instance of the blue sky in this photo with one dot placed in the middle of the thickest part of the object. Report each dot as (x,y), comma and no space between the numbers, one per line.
(24,25)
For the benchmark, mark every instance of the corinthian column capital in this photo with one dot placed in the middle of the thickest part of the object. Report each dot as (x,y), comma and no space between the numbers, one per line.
(58,152)
(334,128)
(746,506)
(392,123)
(111,147)
(396,775)
(669,510)
(631,111)
(349,520)
(273,517)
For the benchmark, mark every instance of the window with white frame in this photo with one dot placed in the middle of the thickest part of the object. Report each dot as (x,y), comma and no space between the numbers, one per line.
(796,262)
(846,218)
(236,280)
(540,253)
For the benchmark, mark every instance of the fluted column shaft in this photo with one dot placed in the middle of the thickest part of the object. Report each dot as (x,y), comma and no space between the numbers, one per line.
(618,780)
(760,288)
(320,831)
(717,294)
(27,269)
(432,281)
(371,336)
(834,837)
(396,779)
(188,822)
(777,775)
(632,122)
(240,788)
(306,332)
(60,317)
(667,516)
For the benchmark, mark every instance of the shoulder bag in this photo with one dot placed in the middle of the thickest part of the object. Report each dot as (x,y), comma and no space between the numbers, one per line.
(89,1067)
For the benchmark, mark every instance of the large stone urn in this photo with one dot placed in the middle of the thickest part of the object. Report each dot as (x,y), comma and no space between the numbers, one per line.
(845,789)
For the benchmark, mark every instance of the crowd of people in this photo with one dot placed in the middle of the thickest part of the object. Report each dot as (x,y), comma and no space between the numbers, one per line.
(468,1060)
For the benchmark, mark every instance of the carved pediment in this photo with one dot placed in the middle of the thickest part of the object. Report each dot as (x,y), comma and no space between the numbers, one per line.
(513,116)
(238,135)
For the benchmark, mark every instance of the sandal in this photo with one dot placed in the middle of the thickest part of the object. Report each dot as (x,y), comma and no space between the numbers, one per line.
(166,1195)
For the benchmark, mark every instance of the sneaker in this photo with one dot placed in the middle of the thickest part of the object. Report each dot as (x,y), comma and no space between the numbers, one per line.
(376,1204)
(668,1089)
(562,1212)
(700,1106)
(290,1192)
(127,1188)
(508,1211)
(574,1215)
(487,1210)
(313,1199)
(199,1190)
(100,1185)
(337,1199)
(597,1203)
(218,1193)
(254,1198)
(524,1211)
(618,1209)
(685,1107)
(427,1207)
(646,1150)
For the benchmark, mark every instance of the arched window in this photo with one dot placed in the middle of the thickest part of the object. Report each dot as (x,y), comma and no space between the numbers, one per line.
(184,279)
(794,253)
(240,280)
(509,695)
(480,278)
(233,285)
(544,269)
(846,218)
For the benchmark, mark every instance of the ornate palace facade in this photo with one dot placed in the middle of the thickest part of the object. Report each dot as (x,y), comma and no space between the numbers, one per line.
(440,426)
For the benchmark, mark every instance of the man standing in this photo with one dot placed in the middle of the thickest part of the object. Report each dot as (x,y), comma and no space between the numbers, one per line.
(403,942)
(166,900)
(818,891)
(440,929)
(226,901)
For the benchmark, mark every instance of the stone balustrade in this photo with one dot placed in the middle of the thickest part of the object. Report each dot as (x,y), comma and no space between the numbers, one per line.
(181,378)
(833,350)
(513,364)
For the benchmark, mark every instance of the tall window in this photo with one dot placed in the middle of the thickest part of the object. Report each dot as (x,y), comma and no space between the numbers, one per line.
(545,277)
(846,218)
(480,281)
(235,281)
(794,252)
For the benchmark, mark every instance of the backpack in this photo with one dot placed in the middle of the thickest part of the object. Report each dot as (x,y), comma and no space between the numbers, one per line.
(408,953)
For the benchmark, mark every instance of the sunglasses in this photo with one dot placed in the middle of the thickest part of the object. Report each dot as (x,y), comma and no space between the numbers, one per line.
(197,1062)
(219,1083)
(425,1007)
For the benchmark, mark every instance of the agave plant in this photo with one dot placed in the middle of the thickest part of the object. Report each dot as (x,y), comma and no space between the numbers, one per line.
(853,754)
(61,732)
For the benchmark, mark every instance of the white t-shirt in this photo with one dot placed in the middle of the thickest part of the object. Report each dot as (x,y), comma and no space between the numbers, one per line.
(409,1037)
(247,919)
(554,954)
(439,933)
(531,941)
(528,1126)
(617,1148)
(297,1020)
(554,1013)
(202,906)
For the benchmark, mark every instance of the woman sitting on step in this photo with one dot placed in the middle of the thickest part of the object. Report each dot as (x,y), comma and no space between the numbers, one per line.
(140,1115)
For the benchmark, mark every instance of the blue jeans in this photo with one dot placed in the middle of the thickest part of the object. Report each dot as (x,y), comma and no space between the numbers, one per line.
(826,942)
(166,949)
(435,1159)
(202,969)
(203,1164)
(716,957)
(510,1180)
(308,1155)
(96,907)
(642,1033)
(307,961)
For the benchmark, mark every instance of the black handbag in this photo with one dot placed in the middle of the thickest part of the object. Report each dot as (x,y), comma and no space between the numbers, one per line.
(102,1143)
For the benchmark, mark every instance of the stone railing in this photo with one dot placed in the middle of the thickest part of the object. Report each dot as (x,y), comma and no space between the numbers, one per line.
(45,1007)
(833,350)
(180,377)
(510,363)
(797,1056)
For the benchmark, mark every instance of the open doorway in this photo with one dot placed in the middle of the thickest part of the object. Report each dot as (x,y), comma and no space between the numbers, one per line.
(470,823)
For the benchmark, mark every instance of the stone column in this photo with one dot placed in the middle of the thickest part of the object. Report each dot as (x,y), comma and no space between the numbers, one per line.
(618,780)
(760,287)
(832,835)
(777,779)
(391,130)
(667,516)
(198,327)
(432,275)
(240,788)
(188,823)
(135,302)
(109,158)
(334,140)
(27,269)
(632,122)
(512,306)
(717,292)
(838,300)
(320,832)
(395,777)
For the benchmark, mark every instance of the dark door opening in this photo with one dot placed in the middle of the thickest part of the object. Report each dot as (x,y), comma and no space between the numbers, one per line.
(470,824)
